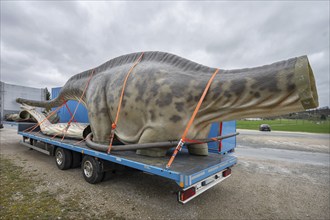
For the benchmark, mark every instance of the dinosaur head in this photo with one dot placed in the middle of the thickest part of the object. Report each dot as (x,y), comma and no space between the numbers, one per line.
(271,90)
(24,113)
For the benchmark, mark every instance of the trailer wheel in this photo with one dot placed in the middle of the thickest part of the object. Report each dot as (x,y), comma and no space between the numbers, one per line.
(76,159)
(63,158)
(92,170)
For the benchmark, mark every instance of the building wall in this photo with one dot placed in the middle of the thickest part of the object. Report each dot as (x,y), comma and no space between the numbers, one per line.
(10,92)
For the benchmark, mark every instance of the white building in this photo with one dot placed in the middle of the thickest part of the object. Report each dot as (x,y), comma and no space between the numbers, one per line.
(9,93)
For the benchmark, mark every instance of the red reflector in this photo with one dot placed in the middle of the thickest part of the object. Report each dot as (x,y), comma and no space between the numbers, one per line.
(184,195)
(226,172)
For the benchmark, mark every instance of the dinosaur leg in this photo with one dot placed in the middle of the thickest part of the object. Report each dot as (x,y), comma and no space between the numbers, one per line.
(152,152)
(101,126)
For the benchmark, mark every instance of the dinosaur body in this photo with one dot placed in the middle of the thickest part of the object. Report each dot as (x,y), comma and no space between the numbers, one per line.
(163,90)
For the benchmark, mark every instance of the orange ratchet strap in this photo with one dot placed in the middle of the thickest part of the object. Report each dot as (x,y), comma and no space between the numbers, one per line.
(67,107)
(38,124)
(114,124)
(183,137)
(81,97)
(75,111)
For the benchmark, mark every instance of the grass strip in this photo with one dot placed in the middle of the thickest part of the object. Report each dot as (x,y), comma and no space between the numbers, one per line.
(288,125)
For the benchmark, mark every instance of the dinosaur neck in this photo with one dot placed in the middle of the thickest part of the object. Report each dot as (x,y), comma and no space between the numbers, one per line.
(279,88)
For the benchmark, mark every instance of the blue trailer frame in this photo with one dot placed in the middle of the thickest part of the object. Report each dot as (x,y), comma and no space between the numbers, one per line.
(188,171)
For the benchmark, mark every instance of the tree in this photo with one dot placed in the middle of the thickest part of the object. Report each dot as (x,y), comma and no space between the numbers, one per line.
(323,117)
(47,94)
(47,97)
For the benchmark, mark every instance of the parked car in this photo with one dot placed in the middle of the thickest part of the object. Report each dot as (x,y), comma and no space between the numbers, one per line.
(264,127)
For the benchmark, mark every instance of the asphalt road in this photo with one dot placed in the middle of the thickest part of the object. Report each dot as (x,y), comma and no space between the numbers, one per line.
(284,146)
(279,175)
(299,141)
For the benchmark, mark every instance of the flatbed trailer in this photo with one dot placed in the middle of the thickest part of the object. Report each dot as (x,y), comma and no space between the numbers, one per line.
(193,174)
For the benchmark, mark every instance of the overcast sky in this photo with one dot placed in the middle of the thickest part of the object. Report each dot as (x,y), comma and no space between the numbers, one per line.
(44,43)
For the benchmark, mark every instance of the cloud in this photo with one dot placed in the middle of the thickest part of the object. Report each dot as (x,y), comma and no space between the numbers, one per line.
(44,43)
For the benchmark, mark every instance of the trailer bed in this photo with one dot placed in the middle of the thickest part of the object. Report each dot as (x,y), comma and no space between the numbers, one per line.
(186,170)
(194,174)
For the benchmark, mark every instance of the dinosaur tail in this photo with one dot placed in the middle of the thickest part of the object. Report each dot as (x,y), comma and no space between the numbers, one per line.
(44,104)
(72,90)
(67,92)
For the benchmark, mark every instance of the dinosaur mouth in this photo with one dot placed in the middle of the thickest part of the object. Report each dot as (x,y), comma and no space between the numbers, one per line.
(305,82)
(24,115)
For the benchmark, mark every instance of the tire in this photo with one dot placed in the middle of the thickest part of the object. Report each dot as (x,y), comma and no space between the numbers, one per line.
(31,141)
(63,158)
(76,159)
(92,170)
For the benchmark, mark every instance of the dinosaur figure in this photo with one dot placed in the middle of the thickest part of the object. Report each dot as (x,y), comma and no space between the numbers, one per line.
(163,90)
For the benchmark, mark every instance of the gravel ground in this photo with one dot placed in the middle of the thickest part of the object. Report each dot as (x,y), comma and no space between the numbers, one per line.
(257,189)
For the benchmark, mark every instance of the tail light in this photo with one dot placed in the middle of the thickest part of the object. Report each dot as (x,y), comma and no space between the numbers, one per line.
(184,195)
(226,172)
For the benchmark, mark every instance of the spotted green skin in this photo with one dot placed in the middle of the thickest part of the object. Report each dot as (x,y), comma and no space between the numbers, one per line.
(163,90)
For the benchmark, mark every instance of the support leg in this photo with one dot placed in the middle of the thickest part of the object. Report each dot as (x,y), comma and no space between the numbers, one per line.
(152,152)
(198,149)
